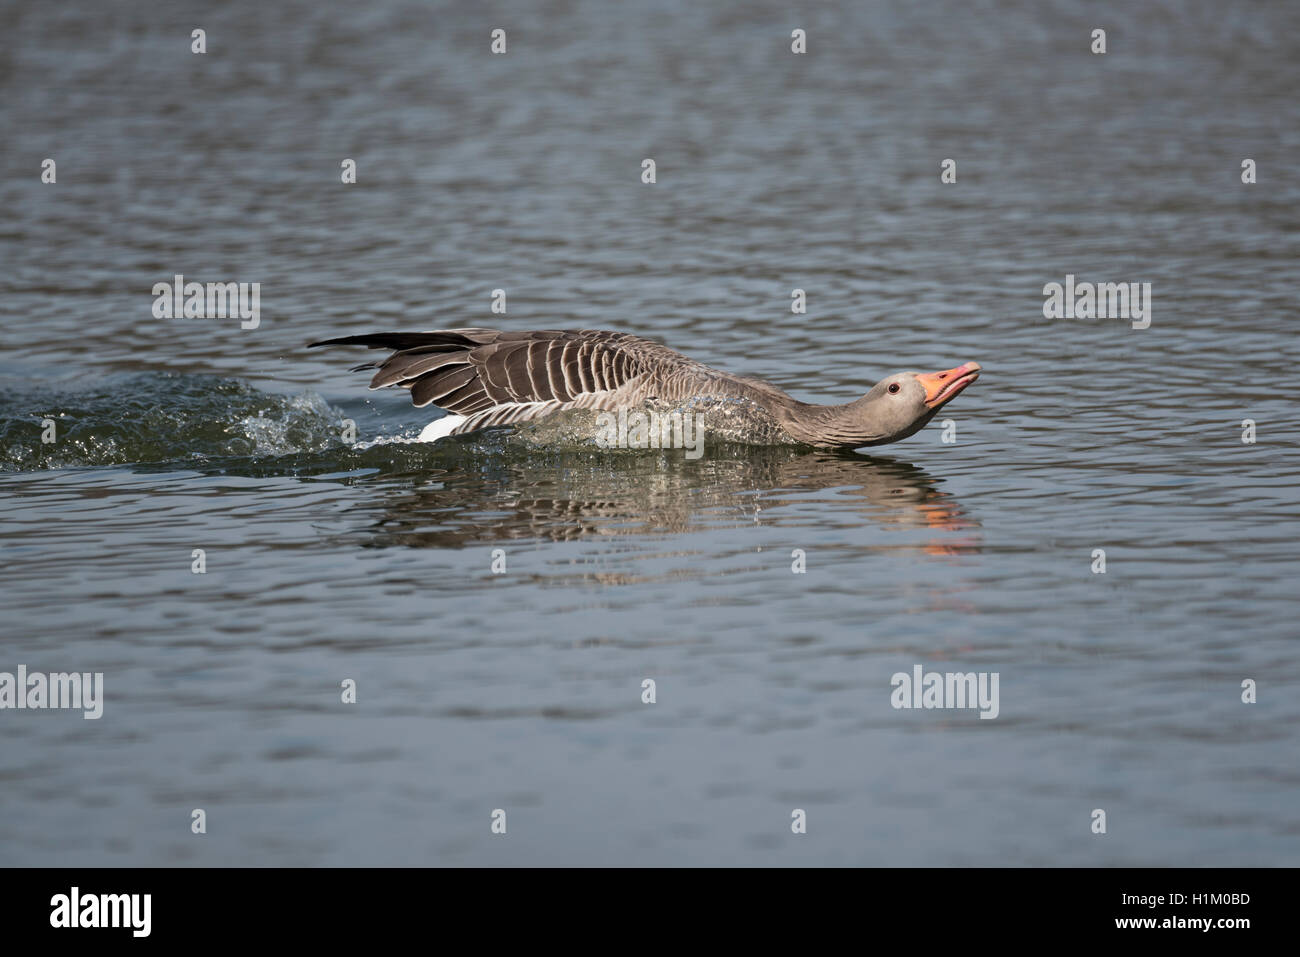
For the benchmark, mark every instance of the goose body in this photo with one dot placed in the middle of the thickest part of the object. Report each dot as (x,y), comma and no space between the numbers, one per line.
(487,377)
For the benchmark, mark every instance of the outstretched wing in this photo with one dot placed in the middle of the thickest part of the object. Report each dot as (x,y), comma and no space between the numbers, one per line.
(468,371)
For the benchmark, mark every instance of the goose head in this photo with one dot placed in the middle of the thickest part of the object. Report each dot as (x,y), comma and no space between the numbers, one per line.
(903,403)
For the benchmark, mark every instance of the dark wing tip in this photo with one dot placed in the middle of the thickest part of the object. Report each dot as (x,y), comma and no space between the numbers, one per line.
(343,341)
(401,341)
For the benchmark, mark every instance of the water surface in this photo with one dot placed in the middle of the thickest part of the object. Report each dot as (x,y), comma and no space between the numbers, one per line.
(522,690)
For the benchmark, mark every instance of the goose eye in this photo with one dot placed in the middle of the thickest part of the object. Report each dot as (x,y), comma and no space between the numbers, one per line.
(893,388)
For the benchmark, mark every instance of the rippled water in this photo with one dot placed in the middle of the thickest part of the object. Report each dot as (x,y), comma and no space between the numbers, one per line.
(522,690)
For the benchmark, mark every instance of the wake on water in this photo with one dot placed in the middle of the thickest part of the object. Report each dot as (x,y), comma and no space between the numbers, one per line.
(205,423)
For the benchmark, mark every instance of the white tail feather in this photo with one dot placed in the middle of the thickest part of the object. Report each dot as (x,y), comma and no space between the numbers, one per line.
(440,428)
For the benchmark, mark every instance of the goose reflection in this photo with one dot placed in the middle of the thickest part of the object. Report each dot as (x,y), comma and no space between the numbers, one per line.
(646,495)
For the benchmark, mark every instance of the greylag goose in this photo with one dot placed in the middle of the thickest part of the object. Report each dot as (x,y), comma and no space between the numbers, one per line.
(486,377)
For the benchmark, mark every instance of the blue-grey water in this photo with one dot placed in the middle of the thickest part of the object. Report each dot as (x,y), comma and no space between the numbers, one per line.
(522,691)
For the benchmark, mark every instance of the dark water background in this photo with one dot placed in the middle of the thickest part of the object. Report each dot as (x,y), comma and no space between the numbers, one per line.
(522,691)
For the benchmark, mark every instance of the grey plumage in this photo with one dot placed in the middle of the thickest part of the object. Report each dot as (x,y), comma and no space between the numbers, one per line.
(500,378)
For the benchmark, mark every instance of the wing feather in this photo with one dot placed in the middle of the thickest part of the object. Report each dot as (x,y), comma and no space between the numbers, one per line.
(497,378)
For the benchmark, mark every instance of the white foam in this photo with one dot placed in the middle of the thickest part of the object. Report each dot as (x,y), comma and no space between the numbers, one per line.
(440,428)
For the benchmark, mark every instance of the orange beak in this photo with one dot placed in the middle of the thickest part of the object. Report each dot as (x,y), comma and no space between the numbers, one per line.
(941,387)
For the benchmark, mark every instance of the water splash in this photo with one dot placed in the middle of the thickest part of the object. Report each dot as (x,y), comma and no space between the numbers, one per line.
(162,421)
(158,418)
